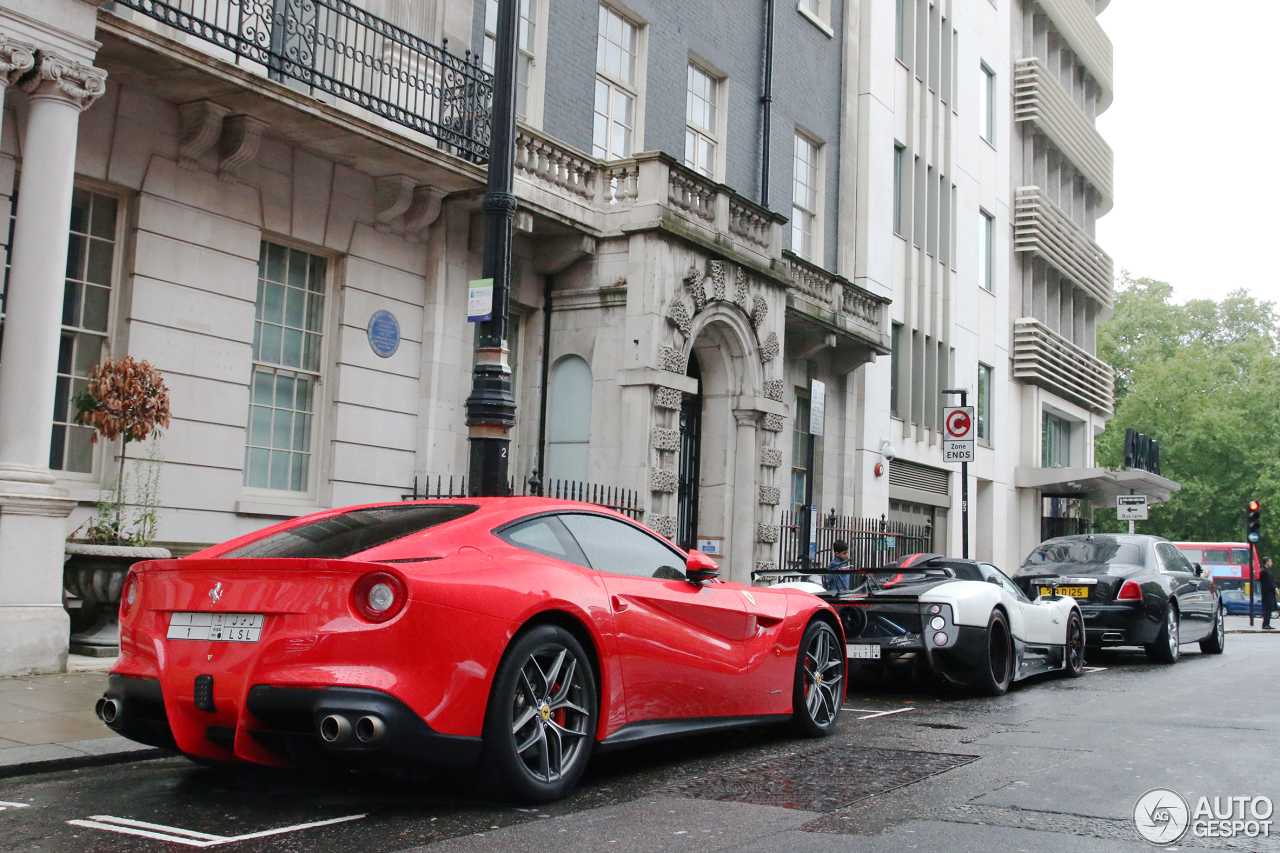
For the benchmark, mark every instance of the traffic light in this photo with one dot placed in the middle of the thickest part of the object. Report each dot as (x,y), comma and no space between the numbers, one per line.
(1253,521)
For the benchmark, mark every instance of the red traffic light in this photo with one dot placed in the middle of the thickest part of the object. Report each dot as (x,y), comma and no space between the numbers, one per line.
(1254,506)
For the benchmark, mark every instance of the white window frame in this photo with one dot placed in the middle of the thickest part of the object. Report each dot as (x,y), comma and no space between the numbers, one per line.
(816,253)
(635,89)
(986,251)
(987,104)
(532,52)
(818,13)
(714,135)
(321,401)
(109,344)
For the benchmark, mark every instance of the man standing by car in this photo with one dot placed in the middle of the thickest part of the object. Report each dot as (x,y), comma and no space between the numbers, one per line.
(1268,585)
(839,560)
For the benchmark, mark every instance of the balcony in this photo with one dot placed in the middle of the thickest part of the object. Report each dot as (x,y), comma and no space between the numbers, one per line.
(1041,228)
(1040,99)
(336,49)
(1079,26)
(1043,358)
(821,304)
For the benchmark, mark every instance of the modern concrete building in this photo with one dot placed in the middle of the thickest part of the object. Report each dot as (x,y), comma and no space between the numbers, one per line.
(738,228)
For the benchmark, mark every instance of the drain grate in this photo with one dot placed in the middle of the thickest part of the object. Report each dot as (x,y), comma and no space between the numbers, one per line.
(822,780)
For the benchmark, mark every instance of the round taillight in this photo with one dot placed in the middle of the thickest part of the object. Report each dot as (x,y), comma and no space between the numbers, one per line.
(129,594)
(940,639)
(937,623)
(935,609)
(379,596)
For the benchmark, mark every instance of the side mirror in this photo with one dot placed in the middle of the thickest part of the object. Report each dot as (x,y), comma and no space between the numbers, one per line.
(700,567)
(1199,569)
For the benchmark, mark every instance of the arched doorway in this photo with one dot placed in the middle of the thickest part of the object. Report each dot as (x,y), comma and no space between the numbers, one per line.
(690,471)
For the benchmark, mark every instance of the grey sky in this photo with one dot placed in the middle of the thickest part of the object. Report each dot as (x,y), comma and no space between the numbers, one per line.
(1194,127)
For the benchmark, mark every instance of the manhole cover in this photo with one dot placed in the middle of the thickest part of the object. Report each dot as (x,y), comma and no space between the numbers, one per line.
(823,780)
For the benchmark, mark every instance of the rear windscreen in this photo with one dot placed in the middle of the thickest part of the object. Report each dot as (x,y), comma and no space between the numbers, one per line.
(1096,550)
(351,532)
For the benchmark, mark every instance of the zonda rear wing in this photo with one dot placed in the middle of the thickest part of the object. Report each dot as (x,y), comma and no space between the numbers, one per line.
(790,575)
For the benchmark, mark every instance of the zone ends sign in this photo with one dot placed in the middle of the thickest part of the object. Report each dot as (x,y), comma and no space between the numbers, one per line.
(958,431)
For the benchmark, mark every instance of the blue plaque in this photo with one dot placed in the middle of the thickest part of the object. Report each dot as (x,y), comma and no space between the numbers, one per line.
(384,334)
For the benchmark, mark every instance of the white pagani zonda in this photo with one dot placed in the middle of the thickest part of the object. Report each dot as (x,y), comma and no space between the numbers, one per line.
(963,619)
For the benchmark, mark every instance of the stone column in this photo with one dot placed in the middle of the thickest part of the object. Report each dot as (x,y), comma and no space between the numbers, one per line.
(33,511)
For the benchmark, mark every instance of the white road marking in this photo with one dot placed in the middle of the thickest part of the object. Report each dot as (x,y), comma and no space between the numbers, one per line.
(5,805)
(191,838)
(1094,668)
(870,712)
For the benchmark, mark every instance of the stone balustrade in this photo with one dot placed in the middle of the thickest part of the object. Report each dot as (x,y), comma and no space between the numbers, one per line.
(834,297)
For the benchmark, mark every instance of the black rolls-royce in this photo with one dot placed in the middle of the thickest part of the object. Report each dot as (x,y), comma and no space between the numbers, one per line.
(1132,590)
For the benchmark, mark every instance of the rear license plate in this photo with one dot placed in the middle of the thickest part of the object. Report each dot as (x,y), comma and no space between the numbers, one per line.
(862,651)
(1073,591)
(221,627)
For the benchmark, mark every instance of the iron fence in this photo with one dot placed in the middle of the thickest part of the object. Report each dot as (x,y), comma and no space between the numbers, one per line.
(872,541)
(335,47)
(625,501)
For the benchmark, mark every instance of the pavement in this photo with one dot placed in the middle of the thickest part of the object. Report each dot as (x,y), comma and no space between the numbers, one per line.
(47,721)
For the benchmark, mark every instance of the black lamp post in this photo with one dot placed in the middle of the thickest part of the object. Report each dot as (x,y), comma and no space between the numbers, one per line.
(491,408)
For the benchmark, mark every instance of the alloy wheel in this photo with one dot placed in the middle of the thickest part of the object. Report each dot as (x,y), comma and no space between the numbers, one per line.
(823,677)
(1075,644)
(550,720)
(1173,631)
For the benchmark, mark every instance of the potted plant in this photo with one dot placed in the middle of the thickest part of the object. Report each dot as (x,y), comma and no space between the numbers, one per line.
(124,399)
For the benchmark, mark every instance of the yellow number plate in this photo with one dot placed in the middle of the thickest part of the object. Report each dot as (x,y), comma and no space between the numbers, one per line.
(1073,591)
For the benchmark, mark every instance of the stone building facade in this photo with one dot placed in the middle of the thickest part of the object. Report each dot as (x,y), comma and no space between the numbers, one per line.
(721,214)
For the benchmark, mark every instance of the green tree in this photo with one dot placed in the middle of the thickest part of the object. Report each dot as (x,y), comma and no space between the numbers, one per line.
(1204,379)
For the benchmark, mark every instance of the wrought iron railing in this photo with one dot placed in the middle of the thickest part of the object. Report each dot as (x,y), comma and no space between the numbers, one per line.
(872,541)
(335,47)
(625,501)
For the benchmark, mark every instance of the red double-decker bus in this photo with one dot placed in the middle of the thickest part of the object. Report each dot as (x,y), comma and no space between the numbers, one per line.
(1227,563)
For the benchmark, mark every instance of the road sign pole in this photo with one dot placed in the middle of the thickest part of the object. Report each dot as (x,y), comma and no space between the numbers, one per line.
(964,481)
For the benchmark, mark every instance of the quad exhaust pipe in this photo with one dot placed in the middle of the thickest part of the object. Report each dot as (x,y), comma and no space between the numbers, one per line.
(336,728)
(108,710)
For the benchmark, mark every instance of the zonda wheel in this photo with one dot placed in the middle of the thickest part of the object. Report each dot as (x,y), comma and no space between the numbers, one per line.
(1075,646)
(819,683)
(996,673)
(1216,641)
(540,725)
(1165,648)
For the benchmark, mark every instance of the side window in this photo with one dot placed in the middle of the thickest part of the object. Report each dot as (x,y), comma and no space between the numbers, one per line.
(617,548)
(544,535)
(993,575)
(1172,558)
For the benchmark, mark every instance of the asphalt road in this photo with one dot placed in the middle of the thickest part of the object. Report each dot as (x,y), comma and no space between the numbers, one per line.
(1055,765)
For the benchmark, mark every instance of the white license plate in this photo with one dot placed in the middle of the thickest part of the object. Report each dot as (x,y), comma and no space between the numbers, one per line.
(222,627)
(862,651)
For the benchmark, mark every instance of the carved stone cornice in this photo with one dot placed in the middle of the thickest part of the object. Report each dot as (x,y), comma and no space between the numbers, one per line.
(16,59)
(63,79)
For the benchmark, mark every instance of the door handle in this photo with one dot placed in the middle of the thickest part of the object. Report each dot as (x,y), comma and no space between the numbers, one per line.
(618,604)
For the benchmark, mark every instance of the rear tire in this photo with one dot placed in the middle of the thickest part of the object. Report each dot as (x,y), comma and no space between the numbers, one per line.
(540,726)
(818,691)
(995,674)
(1074,652)
(1217,640)
(1166,647)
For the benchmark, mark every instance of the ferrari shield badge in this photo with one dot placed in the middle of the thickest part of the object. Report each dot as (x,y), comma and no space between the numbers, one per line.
(749,597)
